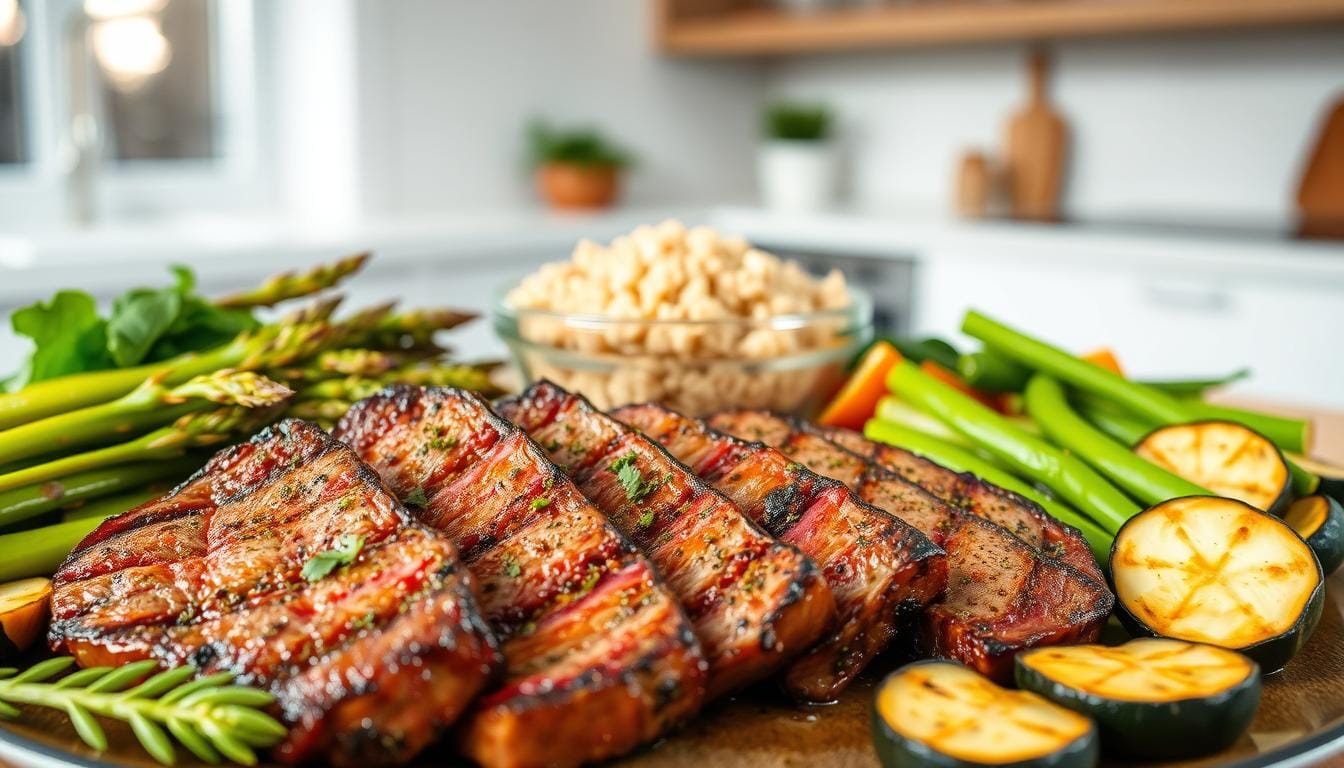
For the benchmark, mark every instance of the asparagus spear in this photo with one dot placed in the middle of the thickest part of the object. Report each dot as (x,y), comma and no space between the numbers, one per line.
(1116,422)
(961,460)
(1145,481)
(33,500)
(292,285)
(1147,402)
(324,412)
(414,328)
(150,405)
(103,508)
(1292,435)
(271,346)
(40,551)
(1064,474)
(170,442)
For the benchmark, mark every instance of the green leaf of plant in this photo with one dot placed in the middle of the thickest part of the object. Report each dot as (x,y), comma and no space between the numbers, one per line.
(161,683)
(82,678)
(43,670)
(139,318)
(200,325)
(192,739)
(344,551)
(123,677)
(230,746)
(67,334)
(153,739)
(230,694)
(88,729)
(417,498)
(209,681)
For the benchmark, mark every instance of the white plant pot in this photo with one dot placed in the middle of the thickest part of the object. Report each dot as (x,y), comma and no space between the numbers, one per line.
(797,175)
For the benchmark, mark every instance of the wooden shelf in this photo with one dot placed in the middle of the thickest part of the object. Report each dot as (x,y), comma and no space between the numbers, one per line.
(702,31)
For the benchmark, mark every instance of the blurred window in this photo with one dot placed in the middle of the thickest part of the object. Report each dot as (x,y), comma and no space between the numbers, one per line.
(13,29)
(154,64)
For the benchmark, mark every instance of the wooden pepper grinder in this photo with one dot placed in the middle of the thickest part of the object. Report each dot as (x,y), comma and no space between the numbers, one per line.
(1037,140)
(1320,194)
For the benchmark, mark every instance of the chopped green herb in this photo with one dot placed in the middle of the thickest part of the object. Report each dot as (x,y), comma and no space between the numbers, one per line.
(343,552)
(511,567)
(646,519)
(590,581)
(540,503)
(417,498)
(346,502)
(631,479)
(443,443)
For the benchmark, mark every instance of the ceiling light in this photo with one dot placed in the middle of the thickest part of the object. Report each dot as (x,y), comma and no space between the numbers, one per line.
(12,23)
(130,49)
(112,9)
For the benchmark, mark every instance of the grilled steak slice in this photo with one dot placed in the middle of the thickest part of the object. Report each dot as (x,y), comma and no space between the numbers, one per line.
(876,565)
(1003,595)
(599,656)
(755,602)
(967,492)
(368,661)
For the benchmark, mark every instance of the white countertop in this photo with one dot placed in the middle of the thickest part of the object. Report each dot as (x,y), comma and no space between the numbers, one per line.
(108,255)
(246,244)
(1187,249)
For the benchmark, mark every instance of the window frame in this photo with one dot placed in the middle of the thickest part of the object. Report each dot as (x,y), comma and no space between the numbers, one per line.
(35,191)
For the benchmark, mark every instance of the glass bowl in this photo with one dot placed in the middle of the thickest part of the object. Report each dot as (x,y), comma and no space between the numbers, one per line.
(786,363)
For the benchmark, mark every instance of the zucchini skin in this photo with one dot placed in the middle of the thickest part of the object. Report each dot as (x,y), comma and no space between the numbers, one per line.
(1328,540)
(1271,653)
(897,751)
(1167,730)
(1332,487)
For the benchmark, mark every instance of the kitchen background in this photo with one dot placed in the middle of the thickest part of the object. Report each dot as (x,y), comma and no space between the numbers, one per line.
(241,137)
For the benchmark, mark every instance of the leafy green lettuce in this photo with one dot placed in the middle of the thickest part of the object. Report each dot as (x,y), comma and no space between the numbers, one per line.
(145,325)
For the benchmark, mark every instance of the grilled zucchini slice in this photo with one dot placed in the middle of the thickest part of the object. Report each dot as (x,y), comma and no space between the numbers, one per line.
(1319,520)
(1152,697)
(941,714)
(24,608)
(1211,570)
(1331,477)
(1228,459)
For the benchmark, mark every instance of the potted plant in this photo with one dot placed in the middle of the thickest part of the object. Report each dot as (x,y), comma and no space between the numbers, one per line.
(576,168)
(796,165)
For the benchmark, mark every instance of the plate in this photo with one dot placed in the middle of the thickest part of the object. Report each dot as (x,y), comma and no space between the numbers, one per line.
(1300,722)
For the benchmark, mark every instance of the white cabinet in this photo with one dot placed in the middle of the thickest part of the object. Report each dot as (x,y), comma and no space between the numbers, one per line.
(1162,321)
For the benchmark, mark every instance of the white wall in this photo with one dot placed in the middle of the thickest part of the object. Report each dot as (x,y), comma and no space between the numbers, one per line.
(1175,126)
(447,88)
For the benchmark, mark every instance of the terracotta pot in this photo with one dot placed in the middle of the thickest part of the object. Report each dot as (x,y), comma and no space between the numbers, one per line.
(569,186)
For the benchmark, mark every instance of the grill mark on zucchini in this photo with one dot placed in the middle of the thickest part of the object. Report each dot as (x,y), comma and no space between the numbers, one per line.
(1151,697)
(1228,459)
(1218,571)
(943,714)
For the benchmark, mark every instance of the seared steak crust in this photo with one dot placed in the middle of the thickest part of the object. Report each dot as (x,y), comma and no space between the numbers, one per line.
(1003,595)
(965,491)
(599,656)
(755,602)
(368,662)
(877,566)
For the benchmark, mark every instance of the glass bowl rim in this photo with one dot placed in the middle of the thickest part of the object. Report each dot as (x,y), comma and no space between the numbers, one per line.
(859,311)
